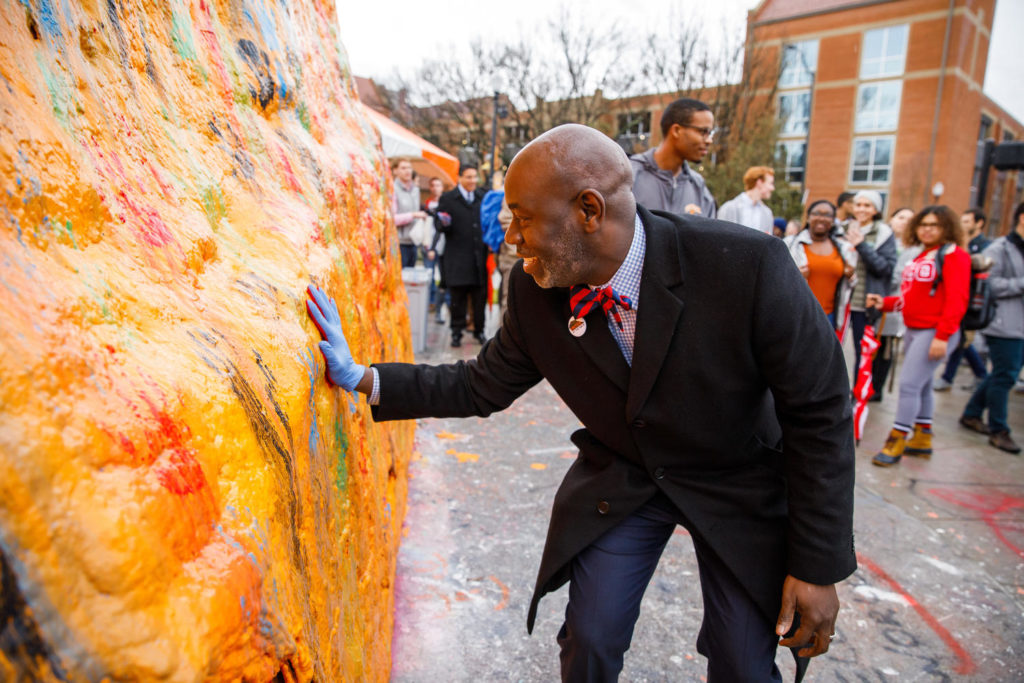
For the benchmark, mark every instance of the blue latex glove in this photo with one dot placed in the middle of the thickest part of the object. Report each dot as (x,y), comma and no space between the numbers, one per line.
(341,369)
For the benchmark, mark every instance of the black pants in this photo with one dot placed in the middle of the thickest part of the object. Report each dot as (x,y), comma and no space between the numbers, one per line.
(607,583)
(459,296)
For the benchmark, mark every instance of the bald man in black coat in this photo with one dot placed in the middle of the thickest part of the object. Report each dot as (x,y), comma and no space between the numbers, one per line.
(720,404)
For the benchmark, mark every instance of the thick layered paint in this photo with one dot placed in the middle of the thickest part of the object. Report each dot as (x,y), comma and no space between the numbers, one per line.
(181,495)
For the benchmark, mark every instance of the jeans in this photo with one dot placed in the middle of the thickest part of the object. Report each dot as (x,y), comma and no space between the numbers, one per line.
(973,359)
(408,252)
(1007,356)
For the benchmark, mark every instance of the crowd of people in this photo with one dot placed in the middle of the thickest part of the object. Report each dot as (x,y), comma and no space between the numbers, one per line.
(857,264)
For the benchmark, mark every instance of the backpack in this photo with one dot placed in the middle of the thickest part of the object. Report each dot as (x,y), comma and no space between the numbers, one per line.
(981,303)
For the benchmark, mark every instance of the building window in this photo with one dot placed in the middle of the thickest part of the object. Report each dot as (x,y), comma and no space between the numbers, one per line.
(635,124)
(792,158)
(878,106)
(795,112)
(885,52)
(985,128)
(872,160)
(799,62)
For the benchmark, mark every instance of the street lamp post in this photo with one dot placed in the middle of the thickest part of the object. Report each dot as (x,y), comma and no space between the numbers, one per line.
(500,112)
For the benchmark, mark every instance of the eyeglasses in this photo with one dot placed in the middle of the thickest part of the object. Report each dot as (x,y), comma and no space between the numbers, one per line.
(822,214)
(929,224)
(706,133)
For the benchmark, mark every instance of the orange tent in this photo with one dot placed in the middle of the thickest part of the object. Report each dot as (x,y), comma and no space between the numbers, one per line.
(427,159)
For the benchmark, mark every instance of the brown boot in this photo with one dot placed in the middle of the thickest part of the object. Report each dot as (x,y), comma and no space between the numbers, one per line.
(920,442)
(892,451)
(1003,442)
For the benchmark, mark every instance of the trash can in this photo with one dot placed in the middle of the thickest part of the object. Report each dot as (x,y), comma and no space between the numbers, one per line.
(417,288)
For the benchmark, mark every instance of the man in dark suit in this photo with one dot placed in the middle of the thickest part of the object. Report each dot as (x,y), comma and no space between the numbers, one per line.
(465,254)
(713,395)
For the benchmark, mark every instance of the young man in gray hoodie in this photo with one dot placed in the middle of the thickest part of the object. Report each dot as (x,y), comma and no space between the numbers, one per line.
(662,178)
(1005,339)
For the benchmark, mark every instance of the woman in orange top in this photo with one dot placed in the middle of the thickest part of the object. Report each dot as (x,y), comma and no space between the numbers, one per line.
(826,260)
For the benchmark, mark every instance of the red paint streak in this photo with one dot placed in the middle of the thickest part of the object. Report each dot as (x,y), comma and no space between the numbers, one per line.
(215,59)
(152,228)
(181,473)
(989,507)
(965,665)
(293,182)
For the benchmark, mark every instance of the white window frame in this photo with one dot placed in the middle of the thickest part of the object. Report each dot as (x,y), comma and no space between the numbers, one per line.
(871,121)
(793,72)
(884,65)
(871,166)
(791,124)
(782,149)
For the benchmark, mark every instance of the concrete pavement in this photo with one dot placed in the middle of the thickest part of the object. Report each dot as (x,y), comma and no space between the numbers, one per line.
(939,594)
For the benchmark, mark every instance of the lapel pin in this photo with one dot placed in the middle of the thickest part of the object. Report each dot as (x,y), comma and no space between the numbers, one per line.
(577,326)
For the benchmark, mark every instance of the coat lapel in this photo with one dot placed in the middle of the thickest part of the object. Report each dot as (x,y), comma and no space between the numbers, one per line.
(660,309)
(599,344)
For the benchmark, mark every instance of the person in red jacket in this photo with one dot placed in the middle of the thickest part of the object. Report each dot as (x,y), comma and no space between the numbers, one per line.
(932,305)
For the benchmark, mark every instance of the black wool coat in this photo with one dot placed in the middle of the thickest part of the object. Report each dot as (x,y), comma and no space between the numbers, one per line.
(737,406)
(465,254)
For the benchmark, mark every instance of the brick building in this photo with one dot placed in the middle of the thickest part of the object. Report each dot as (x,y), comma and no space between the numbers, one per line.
(886,94)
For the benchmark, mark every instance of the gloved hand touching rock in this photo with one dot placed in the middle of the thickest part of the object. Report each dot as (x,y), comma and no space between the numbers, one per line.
(342,370)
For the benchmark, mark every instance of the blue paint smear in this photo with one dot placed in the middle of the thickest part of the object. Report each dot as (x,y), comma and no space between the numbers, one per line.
(47,18)
(282,90)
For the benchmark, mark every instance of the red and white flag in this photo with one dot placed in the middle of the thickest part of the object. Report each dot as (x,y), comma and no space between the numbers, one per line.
(862,389)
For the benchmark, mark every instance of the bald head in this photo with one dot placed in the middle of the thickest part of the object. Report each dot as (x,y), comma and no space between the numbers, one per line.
(570,193)
(572,158)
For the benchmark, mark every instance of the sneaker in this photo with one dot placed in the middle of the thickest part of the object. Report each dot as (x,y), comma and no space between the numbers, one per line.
(480,338)
(892,451)
(942,385)
(1003,442)
(456,342)
(974,424)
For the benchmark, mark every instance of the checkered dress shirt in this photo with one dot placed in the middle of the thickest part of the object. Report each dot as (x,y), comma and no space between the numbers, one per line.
(626,282)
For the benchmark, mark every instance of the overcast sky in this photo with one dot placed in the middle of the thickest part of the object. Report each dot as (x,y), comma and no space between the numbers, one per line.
(381,37)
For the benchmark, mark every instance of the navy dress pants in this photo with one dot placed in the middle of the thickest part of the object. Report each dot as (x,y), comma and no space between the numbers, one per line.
(607,583)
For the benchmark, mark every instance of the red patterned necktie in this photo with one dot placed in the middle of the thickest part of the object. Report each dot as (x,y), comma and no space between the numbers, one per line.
(583,299)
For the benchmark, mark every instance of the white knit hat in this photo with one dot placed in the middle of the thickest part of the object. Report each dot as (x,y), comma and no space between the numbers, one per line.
(872,196)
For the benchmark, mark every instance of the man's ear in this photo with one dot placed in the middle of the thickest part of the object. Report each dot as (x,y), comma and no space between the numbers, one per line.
(591,203)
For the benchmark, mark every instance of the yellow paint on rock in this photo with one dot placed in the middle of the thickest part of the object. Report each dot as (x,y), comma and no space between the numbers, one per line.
(181,495)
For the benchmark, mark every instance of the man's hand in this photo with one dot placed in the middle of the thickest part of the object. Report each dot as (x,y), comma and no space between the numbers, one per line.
(937,349)
(341,369)
(817,607)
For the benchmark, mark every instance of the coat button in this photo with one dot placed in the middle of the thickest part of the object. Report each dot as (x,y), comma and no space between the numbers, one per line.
(659,473)
(639,424)
(603,507)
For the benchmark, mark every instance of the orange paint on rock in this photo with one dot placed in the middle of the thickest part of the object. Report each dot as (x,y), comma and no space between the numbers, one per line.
(181,495)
